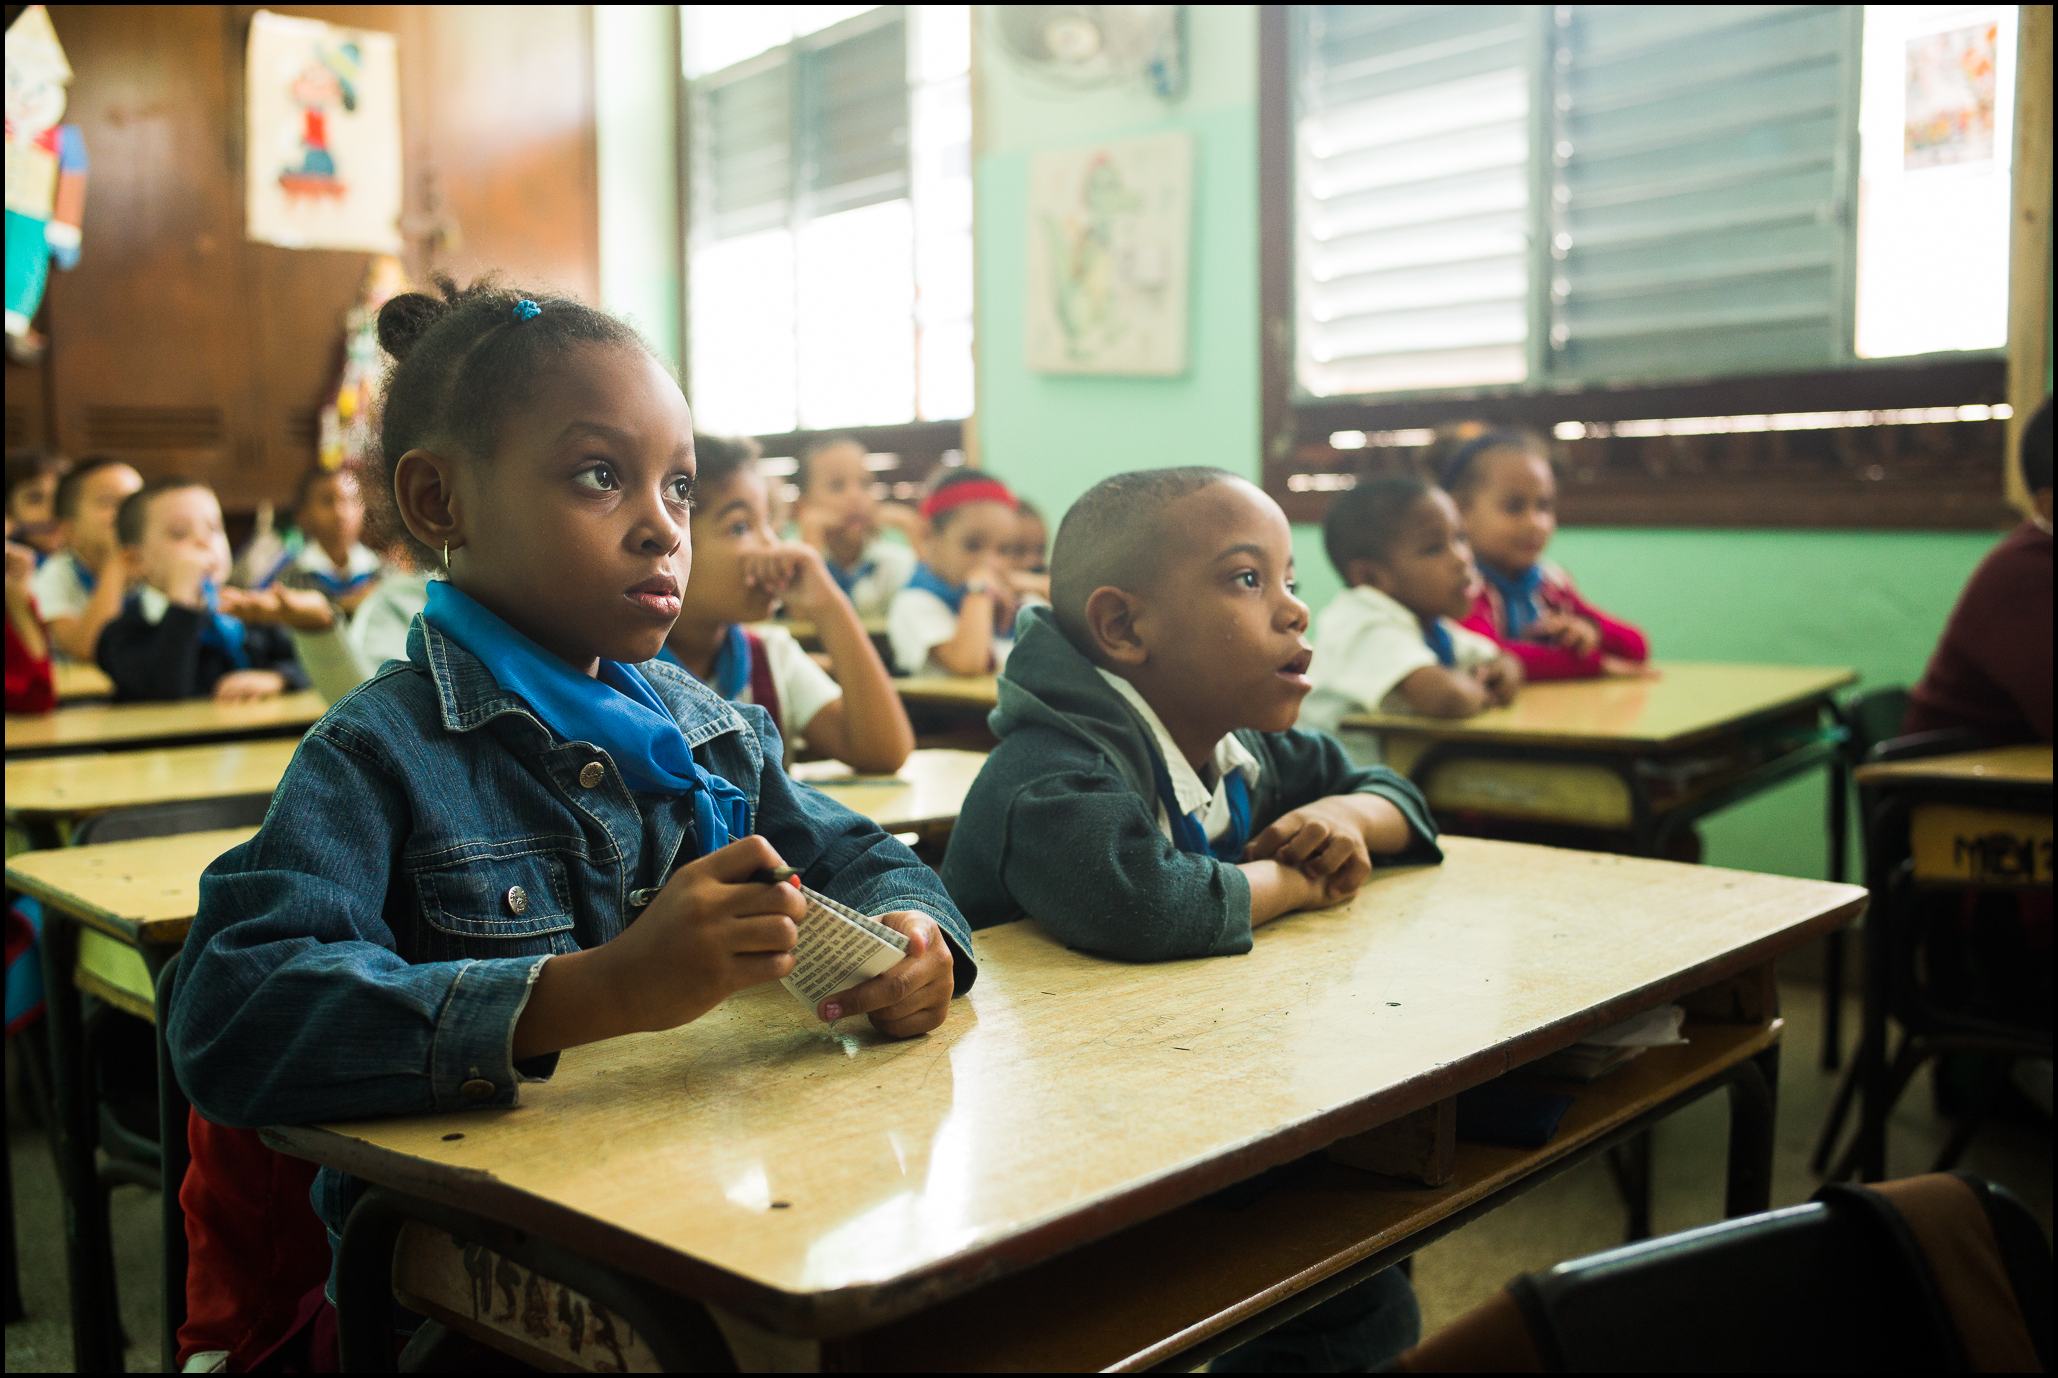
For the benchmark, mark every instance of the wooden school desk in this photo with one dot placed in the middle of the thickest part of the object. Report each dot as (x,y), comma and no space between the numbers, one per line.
(78,682)
(810,638)
(103,727)
(129,905)
(48,796)
(1033,1185)
(1970,820)
(1645,757)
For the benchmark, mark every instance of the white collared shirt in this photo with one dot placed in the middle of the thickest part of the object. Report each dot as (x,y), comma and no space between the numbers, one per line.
(316,560)
(1366,643)
(1192,796)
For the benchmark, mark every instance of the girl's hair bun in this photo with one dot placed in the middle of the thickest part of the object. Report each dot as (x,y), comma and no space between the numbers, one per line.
(404,319)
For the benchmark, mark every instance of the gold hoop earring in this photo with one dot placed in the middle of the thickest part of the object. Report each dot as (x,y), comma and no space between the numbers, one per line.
(446,557)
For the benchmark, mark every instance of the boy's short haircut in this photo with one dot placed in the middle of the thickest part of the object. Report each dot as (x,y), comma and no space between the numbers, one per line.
(1112,537)
(806,458)
(1364,523)
(1454,463)
(134,513)
(718,458)
(71,488)
(2035,455)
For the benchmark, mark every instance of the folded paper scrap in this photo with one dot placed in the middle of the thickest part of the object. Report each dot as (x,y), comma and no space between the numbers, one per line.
(838,948)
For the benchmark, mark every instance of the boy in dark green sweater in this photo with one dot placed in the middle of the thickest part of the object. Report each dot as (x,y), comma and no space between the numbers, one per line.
(1150,798)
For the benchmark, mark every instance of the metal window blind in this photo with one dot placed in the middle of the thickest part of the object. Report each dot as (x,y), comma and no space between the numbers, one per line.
(1703,160)
(1412,135)
(742,155)
(854,131)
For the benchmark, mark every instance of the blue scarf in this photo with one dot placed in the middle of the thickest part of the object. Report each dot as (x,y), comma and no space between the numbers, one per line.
(1187,833)
(285,563)
(341,588)
(927,579)
(1437,637)
(618,712)
(732,663)
(87,579)
(221,631)
(848,579)
(1518,595)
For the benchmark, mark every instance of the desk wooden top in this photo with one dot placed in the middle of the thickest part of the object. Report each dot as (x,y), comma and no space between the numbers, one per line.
(807,635)
(818,1180)
(76,680)
(145,891)
(2001,765)
(92,727)
(149,890)
(949,691)
(928,792)
(74,786)
(1686,701)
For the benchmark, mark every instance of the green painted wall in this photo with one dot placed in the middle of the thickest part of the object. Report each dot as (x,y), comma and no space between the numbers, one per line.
(1872,600)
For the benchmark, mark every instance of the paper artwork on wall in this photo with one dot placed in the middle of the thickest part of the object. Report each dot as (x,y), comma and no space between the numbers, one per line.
(322,160)
(1951,93)
(1110,230)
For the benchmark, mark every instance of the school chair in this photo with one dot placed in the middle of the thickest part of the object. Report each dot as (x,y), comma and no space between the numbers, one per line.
(1930,1028)
(1943,1272)
(176,1157)
(1870,718)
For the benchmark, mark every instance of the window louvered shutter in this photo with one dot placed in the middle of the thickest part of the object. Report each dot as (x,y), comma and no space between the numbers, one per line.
(854,92)
(1703,163)
(1413,148)
(742,160)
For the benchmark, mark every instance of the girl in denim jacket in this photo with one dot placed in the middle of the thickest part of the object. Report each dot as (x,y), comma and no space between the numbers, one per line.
(441,897)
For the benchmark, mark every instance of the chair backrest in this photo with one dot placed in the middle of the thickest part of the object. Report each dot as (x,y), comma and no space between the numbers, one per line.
(171,1136)
(1940,741)
(163,820)
(1874,716)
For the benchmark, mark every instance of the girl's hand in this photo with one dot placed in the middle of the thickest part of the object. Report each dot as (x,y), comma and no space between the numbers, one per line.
(1321,841)
(185,570)
(900,517)
(1568,631)
(247,686)
(21,567)
(1026,583)
(711,932)
(1615,667)
(304,610)
(797,573)
(913,995)
(1500,677)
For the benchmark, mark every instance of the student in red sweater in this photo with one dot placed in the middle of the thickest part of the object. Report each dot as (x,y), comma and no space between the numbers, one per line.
(31,686)
(1992,670)
(1508,500)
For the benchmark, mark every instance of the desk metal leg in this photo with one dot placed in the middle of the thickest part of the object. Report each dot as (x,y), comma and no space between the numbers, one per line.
(1753,1108)
(1833,949)
(88,1250)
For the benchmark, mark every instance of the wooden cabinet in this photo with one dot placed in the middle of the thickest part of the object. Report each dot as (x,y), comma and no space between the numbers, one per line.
(181,346)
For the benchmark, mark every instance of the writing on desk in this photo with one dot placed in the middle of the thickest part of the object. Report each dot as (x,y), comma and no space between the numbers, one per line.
(440,1274)
(2003,857)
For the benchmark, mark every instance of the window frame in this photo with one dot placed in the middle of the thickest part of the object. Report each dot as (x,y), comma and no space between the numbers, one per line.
(919,446)
(1879,477)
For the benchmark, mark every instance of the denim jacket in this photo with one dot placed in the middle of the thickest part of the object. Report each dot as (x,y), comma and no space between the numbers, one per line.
(431,844)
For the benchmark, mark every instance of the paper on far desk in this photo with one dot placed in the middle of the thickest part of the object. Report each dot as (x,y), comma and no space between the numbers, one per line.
(838,948)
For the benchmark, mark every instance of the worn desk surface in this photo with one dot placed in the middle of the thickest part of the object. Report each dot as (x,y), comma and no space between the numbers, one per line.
(148,891)
(2001,765)
(96,727)
(820,1182)
(1685,703)
(77,680)
(75,786)
(949,691)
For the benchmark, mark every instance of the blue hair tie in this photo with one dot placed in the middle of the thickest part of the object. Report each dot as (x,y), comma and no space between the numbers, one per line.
(526,310)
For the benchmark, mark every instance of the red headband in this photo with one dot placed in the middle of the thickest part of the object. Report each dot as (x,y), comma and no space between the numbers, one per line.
(958,494)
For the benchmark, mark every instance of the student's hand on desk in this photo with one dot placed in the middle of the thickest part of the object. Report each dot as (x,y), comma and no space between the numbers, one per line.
(913,995)
(1323,841)
(1568,631)
(1615,667)
(711,932)
(1500,677)
(247,686)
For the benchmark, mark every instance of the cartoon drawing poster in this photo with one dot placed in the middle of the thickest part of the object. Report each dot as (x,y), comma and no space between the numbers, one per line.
(1951,93)
(1109,234)
(322,163)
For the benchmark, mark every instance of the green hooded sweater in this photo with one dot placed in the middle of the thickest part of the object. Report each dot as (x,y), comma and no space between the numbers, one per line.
(1062,823)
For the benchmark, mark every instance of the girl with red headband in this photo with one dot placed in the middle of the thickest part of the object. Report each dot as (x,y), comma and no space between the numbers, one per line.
(954,616)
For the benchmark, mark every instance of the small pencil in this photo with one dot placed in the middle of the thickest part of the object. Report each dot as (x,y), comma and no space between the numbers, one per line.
(775,875)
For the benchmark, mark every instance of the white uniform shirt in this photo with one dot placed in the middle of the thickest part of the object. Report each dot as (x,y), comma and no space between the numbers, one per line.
(892,566)
(918,623)
(804,687)
(1188,790)
(1366,643)
(58,589)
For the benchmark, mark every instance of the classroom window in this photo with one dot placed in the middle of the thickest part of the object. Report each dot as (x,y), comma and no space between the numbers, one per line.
(829,240)
(1518,198)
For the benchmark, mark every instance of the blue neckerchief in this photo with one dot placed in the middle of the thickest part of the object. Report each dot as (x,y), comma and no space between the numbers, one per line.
(953,595)
(341,588)
(618,712)
(221,631)
(1187,833)
(87,579)
(285,563)
(848,579)
(1518,595)
(732,663)
(1438,638)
